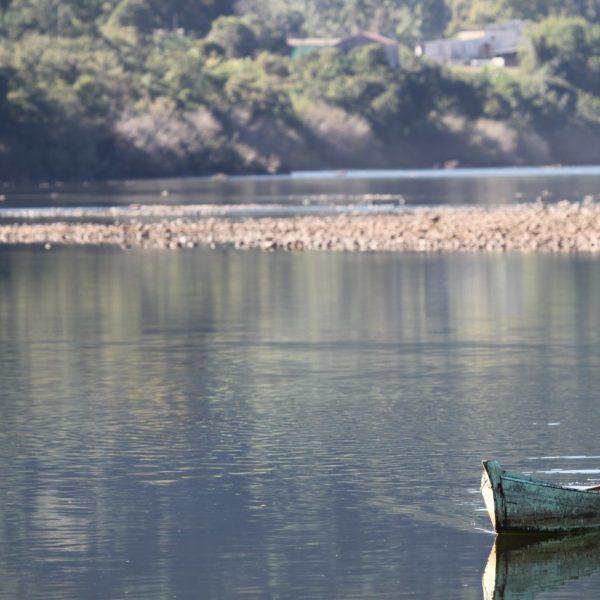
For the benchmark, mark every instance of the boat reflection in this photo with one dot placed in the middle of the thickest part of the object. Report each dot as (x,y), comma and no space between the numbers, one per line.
(524,566)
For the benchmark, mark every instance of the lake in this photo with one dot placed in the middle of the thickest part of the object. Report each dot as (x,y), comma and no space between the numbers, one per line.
(223,424)
(323,189)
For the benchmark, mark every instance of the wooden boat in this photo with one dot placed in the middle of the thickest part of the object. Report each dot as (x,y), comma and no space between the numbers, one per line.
(524,566)
(519,503)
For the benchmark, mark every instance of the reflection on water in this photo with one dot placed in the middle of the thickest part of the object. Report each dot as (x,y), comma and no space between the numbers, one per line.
(302,190)
(219,424)
(525,566)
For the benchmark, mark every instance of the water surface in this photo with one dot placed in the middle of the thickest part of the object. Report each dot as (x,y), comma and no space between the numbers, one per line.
(222,424)
(313,190)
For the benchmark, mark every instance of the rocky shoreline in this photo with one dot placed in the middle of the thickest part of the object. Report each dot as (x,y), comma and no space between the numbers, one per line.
(561,227)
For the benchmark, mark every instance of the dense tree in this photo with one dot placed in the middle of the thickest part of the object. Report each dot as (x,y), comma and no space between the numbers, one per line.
(63,18)
(539,9)
(75,17)
(99,88)
(568,49)
(409,20)
(234,36)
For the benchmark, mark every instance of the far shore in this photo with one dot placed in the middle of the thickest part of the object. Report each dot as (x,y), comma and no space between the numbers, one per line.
(561,227)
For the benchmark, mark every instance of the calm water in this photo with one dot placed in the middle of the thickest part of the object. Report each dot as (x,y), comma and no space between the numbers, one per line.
(317,189)
(218,424)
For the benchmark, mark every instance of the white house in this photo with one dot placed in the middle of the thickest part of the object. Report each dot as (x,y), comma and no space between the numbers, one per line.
(498,43)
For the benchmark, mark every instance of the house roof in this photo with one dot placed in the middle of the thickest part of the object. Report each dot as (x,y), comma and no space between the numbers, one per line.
(470,34)
(516,26)
(376,38)
(298,42)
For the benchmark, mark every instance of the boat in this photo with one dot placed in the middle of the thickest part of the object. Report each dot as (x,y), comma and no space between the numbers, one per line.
(520,503)
(524,566)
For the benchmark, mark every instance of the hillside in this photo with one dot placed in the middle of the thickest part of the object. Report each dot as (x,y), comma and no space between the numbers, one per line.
(141,88)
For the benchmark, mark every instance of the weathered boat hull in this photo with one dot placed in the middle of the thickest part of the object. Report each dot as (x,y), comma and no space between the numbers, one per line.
(520,503)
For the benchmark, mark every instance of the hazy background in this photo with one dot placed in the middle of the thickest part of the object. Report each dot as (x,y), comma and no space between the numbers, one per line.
(140,88)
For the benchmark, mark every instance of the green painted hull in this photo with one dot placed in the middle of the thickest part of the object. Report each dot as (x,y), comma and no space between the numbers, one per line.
(519,503)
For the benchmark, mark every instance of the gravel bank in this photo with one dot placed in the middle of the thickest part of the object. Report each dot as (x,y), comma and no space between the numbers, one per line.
(562,227)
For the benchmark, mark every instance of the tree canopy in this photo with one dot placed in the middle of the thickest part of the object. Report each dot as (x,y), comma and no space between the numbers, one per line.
(111,88)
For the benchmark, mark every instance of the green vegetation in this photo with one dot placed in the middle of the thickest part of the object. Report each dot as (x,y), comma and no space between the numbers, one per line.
(136,88)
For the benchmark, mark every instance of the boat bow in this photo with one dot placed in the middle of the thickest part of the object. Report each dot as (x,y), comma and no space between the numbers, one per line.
(520,503)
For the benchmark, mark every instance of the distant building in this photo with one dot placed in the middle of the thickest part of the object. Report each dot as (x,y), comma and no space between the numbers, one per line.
(498,44)
(303,46)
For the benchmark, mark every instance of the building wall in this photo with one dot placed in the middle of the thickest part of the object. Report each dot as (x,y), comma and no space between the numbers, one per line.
(496,40)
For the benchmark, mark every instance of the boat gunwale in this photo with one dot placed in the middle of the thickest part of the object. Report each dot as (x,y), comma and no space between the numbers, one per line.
(541,483)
